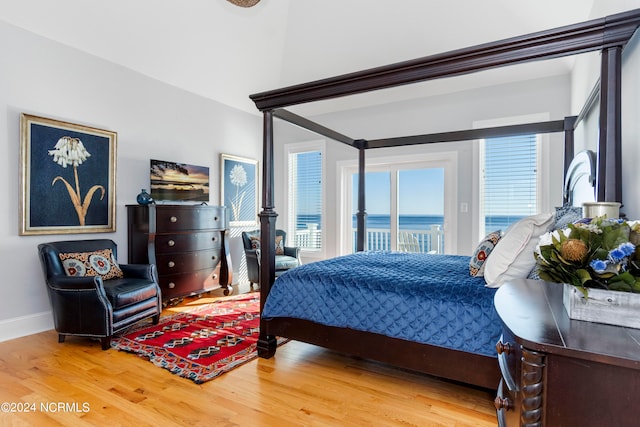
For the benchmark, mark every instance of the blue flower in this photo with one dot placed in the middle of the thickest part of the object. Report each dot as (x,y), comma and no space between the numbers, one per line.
(624,250)
(628,248)
(598,265)
(616,255)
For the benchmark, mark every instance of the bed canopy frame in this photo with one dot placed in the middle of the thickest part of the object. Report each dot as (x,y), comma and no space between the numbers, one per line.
(608,35)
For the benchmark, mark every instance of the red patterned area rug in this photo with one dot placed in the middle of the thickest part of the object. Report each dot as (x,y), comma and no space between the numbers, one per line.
(202,343)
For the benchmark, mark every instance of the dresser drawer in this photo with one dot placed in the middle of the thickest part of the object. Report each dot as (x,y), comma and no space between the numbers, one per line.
(175,218)
(187,261)
(509,354)
(187,242)
(185,284)
(506,407)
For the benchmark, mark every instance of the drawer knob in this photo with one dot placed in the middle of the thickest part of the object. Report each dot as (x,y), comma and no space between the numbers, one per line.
(171,264)
(171,243)
(215,218)
(172,285)
(173,219)
(214,276)
(213,239)
(502,403)
(503,348)
(214,257)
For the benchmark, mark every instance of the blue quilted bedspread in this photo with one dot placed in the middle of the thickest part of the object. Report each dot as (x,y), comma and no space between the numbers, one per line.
(429,299)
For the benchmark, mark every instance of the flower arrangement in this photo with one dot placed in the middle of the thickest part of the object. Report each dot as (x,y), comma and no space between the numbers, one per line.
(592,253)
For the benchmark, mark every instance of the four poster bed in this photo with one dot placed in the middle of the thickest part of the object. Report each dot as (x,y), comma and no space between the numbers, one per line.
(457,343)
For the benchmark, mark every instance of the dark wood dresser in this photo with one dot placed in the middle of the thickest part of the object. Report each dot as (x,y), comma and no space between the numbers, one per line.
(562,372)
(187,244)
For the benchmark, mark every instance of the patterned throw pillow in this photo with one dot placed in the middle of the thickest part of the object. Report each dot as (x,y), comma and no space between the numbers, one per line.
(255,244)
(98,263)
(486,245)
(566,215)
(279,246)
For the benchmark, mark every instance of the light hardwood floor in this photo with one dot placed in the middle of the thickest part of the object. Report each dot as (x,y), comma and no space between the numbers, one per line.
(78,384)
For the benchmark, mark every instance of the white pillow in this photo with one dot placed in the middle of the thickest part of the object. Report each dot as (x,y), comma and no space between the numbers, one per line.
(512,258)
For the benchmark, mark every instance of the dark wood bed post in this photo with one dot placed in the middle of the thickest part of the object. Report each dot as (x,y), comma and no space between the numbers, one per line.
(609,169)
(267,343)
(569,141)
(361,216)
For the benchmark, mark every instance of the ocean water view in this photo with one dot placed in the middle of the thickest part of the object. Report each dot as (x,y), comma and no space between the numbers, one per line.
(411,222)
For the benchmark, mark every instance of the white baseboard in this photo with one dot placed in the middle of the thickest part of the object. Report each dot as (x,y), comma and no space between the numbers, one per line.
(25,325)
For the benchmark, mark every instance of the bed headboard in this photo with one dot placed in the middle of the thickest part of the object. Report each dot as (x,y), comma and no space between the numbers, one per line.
(580,179)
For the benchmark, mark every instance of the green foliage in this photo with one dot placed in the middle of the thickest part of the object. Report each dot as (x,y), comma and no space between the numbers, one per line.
(597,253)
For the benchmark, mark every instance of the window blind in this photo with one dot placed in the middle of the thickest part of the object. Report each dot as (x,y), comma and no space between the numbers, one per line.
(509,180)
(305,198)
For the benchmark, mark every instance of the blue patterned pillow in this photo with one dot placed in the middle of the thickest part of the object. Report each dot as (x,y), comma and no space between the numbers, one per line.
(566,215)
(480,255)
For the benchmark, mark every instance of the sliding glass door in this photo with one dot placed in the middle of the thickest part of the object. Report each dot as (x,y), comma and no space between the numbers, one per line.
(405,209)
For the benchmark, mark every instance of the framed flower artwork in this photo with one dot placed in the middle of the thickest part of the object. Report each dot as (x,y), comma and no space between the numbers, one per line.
(239,189)
(67,177)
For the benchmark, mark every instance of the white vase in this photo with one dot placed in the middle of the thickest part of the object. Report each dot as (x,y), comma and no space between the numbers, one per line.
(602,306)
(594,209)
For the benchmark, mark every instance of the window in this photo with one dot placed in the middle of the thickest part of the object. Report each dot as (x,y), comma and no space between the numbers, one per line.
(305,201)
(509,180)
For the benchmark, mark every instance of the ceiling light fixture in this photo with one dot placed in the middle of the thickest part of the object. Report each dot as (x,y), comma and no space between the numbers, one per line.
(244,3)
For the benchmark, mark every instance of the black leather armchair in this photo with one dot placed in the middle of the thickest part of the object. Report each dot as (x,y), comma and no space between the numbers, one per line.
(90,306)
(288,259)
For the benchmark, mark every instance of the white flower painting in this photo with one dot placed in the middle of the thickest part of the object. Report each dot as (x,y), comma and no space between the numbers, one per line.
(67,177)
(239,189)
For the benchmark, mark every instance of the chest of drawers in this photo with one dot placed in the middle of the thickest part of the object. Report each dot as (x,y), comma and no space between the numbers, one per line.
(562,372)
(186,243)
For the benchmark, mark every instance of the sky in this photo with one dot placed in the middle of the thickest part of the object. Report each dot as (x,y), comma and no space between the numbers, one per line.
(421,192)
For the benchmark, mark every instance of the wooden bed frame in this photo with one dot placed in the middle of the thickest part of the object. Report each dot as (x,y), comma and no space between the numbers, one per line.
(608,35)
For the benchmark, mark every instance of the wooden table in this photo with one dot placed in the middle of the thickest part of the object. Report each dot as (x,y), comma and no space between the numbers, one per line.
(562,372)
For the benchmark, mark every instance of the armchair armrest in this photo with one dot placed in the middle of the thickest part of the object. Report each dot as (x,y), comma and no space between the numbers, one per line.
(292,252)
(80,306)
(140,271)
(72,283)
(252,255)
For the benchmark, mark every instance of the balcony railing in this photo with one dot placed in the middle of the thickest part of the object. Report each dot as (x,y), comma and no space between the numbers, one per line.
(425,241)
(311,238)
(379,239)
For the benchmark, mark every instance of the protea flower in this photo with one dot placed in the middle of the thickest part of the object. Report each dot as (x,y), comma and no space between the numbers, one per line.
(573,250)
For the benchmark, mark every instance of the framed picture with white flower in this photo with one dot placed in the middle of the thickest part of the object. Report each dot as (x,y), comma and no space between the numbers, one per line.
(67,177)
(239,189)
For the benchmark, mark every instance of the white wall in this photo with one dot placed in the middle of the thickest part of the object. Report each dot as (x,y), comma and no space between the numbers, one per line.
(585,75)
(152,119)
(441,113)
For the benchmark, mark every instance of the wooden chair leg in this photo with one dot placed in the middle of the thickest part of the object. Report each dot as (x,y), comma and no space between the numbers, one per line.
(106,343)
(155,319)
(61,338)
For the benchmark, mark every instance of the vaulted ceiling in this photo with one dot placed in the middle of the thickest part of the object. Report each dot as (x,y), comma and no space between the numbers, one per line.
(225,52)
